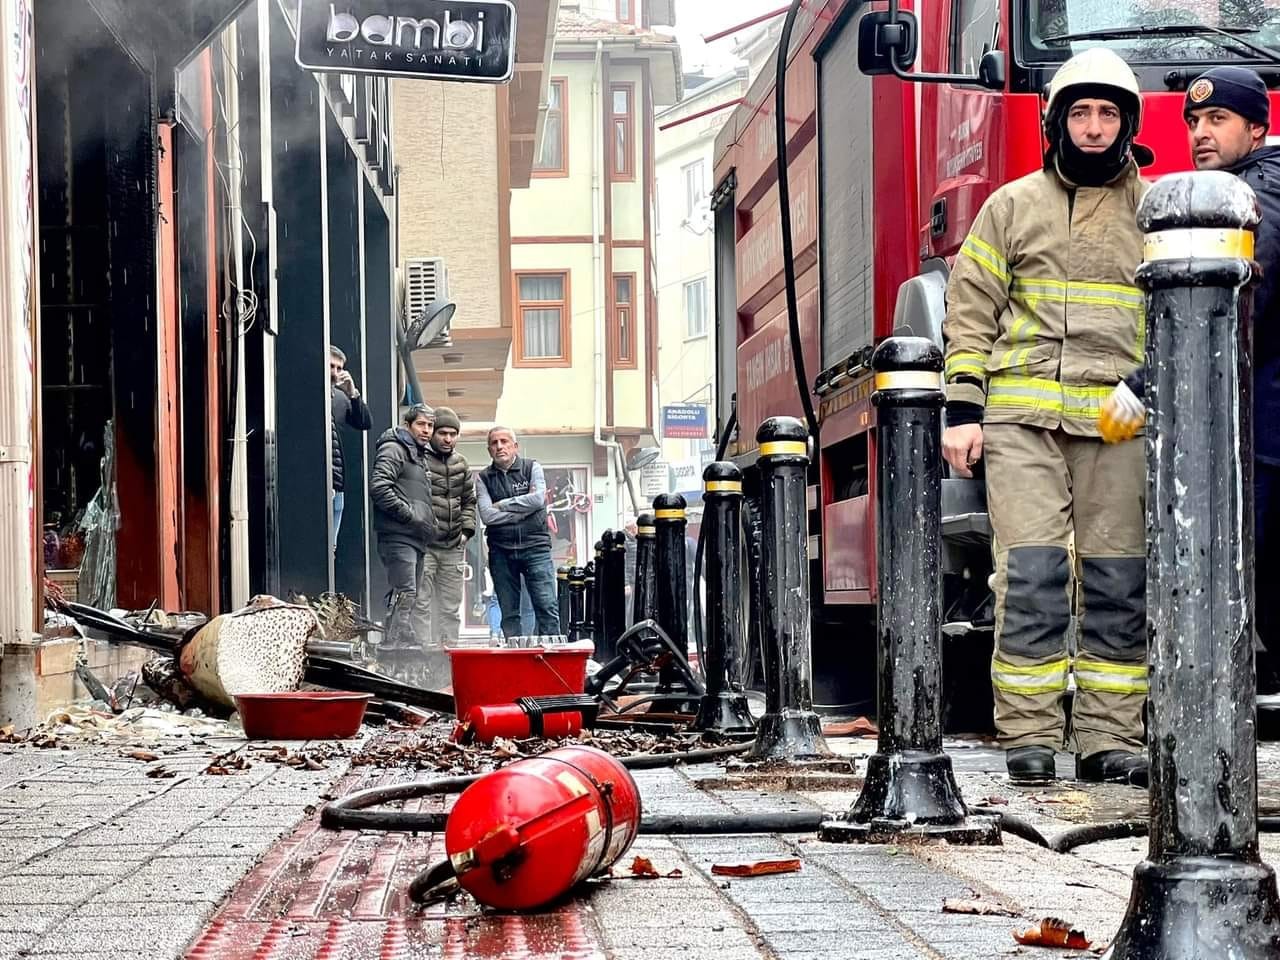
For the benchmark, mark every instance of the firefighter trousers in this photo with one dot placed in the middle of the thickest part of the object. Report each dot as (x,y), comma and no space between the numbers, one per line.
(1069,536)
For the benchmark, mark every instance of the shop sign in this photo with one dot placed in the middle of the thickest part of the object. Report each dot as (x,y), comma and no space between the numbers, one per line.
(467,40)
(685,421)
(655,479)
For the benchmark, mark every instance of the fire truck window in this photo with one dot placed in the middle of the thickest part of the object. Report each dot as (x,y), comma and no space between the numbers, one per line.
(976,30)
(1051,18)
(848,215)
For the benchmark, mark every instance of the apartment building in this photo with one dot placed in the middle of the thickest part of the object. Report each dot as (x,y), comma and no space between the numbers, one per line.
(686,243)
(580,385)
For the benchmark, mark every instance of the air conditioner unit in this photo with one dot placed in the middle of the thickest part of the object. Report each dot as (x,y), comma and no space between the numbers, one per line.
(425,280)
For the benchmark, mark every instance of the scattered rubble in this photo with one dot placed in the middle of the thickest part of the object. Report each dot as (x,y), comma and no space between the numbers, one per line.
(758,868)
(1052,932)
(430,748)
(978,907)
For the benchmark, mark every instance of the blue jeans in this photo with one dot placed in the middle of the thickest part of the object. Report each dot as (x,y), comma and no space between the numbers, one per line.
(532,565)
(339,498)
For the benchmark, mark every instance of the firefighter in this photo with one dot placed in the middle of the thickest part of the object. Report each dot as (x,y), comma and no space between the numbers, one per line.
(1043,320)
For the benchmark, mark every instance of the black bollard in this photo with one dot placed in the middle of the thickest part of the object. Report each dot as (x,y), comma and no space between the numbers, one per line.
(724,706)
(596,574)
(578,627)
(644,591)
(789,729)
(910,789)
(1202,891)
(600,613)
(562,594)
(615,600)
(593,615)
(672,588)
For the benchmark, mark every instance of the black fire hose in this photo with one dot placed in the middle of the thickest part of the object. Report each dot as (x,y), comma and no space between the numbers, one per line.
(629,657)
(784,208)
(353,812)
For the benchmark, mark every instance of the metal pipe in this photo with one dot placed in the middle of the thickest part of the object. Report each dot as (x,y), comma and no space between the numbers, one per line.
(739,27)
(790,729)
(701,113)
(724,706)
(910,788)
(1203,890)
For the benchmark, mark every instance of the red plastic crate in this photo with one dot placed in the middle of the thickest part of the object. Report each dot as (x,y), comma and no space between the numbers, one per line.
(489,675)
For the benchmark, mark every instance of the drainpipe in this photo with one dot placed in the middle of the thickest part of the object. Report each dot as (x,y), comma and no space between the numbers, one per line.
(239,505)
(597,275)
(18,570)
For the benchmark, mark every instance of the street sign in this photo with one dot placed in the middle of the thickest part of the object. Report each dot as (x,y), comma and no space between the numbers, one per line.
(685,421)
(467,40)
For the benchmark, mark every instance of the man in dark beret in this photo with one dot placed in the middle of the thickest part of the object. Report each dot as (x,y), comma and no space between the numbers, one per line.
(1228,114)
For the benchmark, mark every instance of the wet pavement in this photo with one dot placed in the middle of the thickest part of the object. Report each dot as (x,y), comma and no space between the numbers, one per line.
(102,859)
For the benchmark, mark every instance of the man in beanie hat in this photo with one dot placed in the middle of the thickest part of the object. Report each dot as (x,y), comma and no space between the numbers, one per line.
(453,501)
(1043,319)
(1228,115)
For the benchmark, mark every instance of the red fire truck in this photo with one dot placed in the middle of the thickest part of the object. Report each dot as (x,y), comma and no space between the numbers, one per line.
(888,163)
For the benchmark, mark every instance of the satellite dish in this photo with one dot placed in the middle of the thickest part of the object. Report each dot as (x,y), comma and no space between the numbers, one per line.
(641,457)
(429,324)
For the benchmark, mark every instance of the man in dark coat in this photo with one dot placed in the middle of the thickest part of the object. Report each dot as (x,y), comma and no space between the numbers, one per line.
(348,409)
(453,500)
(403,519)
(1228,115)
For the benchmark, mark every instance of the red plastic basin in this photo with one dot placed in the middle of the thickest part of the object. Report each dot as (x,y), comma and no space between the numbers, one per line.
(302,714)
(487,675)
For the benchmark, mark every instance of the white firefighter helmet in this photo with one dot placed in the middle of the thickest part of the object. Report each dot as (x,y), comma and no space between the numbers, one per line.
(1095,67)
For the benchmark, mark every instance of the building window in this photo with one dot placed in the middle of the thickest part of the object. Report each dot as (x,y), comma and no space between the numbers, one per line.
(627,10)
(695,187)
(624,143)
(553,160)
(623,339)
(543,317)
(695,308)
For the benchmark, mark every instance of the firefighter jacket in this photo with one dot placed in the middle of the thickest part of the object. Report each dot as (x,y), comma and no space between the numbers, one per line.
(1043,318)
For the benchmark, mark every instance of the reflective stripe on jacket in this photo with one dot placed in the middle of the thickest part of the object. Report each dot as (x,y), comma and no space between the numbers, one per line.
(1043,318)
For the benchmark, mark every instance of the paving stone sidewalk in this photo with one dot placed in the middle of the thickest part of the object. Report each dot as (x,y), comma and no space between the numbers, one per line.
(98,859)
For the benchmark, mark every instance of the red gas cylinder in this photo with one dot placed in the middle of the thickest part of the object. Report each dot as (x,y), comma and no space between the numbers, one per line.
(512,721)
(528,833)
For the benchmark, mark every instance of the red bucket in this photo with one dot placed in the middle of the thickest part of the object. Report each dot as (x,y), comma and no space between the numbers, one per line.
(302,715)
(489,675)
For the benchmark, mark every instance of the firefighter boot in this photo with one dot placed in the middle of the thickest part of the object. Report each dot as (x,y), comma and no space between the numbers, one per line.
(1113,766)
(1030,764)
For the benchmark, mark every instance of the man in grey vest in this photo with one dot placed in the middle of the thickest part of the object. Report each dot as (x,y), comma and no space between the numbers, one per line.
(512,498)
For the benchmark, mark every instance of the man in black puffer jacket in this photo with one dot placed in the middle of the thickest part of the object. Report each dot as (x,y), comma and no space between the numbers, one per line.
(1228,114)
(349,410)
(402,518)
(453,499)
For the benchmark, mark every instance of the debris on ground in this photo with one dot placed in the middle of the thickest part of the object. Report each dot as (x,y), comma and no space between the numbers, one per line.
(758,868)
(1052,932)
(978,908)
(857,727)
(642,868)
(429,747)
